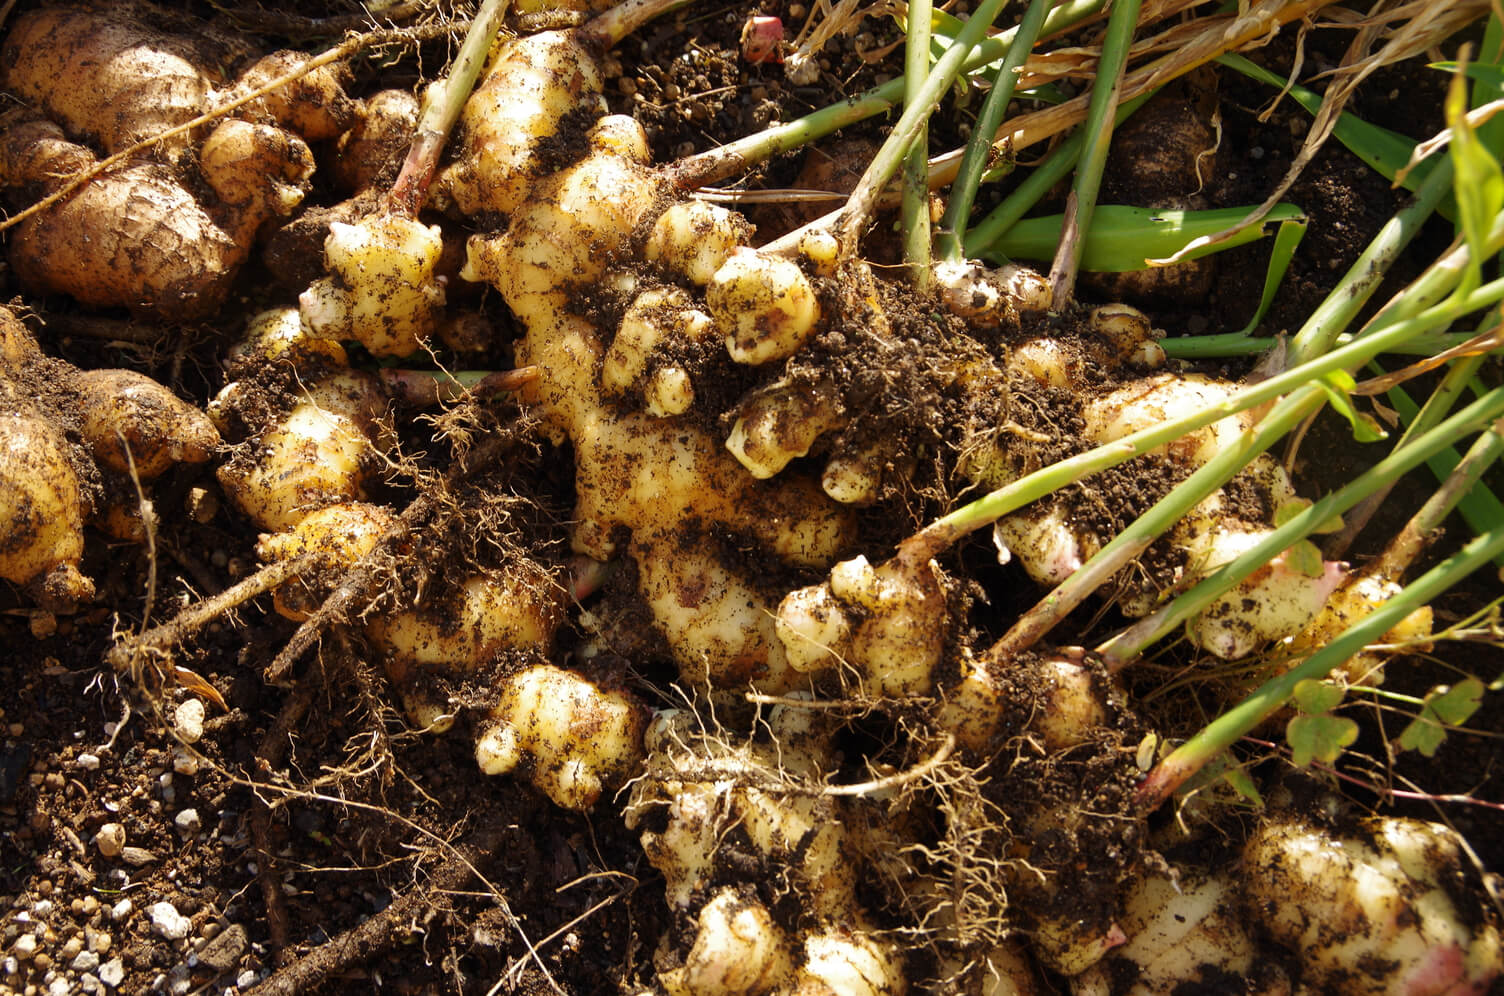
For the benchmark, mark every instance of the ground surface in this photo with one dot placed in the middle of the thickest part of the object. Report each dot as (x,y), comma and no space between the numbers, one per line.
(215,883)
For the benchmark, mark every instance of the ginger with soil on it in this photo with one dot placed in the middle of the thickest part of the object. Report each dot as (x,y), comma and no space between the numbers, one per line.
(157,236)
(131,429)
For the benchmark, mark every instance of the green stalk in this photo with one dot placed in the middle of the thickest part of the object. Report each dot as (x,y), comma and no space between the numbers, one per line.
(441,109)
(732,158)
(1082,201)
(859,206)
(1437,405)
(1210,347)
(946,530)
(1222,732)
(1122,649)
(1032,190)
(1333,315)
(963,189)
(915,210)
(1144,530)
(1480,508)
(1401,551)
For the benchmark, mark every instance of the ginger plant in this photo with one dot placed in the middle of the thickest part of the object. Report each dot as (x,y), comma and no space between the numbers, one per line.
(633,302)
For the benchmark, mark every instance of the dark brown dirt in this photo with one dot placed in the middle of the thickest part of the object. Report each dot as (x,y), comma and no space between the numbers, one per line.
(347,856)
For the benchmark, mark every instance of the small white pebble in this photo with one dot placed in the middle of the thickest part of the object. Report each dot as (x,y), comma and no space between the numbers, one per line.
(246,979)
(41,907)
(59,987)
(169,791)
(110,839)
(84,961)
(168,923)
(187,821)
(99,940)
(112,972)
(25,947)
(188,720)
(87,762)
(120,911)
(185,762)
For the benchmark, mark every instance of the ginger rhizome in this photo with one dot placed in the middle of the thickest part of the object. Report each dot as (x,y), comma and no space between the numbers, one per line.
(76,445)
(165,233)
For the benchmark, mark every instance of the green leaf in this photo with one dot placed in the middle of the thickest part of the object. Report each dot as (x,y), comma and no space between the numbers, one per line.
(1125,238)
(1366,428)
(1489,75)
(1479,184)
(1244,785)
(1319,738)
(1290,510)
(1445,706)
(1424,734)
(1314,696)
(1456,705)
(1286,241)
(1295,506)
(1304,558)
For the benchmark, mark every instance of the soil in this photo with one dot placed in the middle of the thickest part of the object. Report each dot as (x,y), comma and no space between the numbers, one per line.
(306,840)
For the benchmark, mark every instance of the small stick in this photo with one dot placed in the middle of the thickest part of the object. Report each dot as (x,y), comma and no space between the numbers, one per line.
(362,943)
(195,617)
(269,756)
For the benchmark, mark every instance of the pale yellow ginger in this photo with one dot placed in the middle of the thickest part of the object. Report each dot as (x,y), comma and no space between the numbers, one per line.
(661,482)
(519,608)
(1183,931)
(166,232)
(44,520)
(339,536)
(1385,895)
(533,82)
(700,792)
(81,426)
(257,167)
(715,620)
(322,452)
(383,292)
(738,950)
(895,646)
(990,296)
(279,335)
(694,239)
(133,425)
(856,477)
(1067,701)
(764,304)
(780,422)
(656,317)
(1270,604)
(572,738)
(1358,596)
(849,961)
